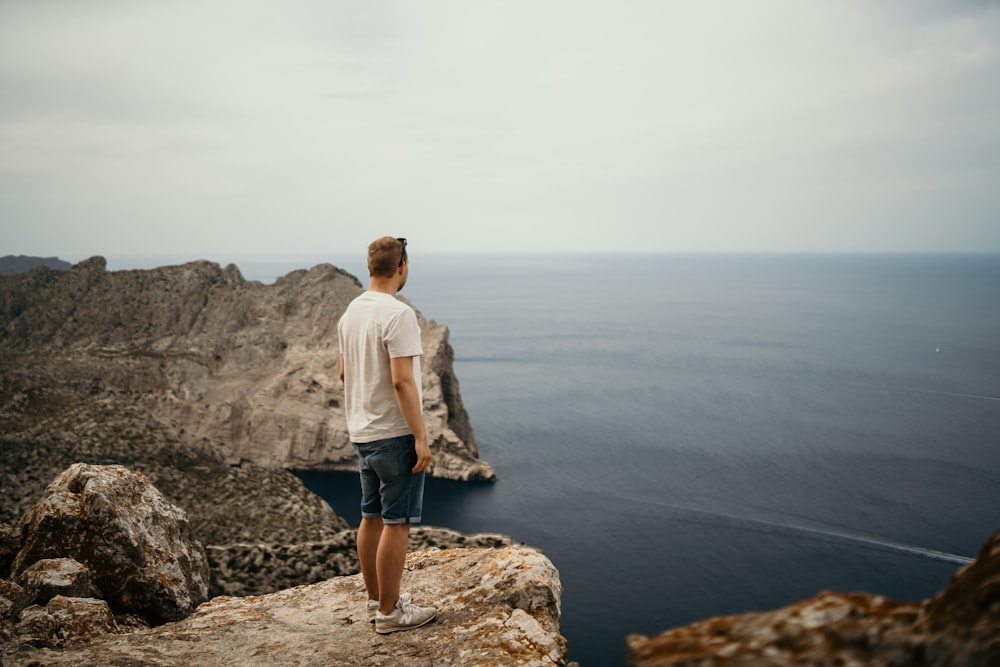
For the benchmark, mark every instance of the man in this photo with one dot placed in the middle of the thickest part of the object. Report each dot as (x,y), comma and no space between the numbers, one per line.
(380,367)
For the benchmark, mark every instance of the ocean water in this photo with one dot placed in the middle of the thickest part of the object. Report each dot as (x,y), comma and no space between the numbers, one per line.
(687,436)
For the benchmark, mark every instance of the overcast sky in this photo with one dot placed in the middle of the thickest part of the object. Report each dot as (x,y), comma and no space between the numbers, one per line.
(250,127)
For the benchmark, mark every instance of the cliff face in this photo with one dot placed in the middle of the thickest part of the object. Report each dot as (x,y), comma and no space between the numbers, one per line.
(249,369)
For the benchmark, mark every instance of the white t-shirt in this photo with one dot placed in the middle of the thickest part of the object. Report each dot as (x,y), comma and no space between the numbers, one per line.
(374,328)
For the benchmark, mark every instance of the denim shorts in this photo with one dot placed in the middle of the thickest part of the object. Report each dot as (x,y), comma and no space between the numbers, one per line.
(389,489)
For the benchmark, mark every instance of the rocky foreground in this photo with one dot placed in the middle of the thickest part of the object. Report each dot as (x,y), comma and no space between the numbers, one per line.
(496,607)
(104,570)
(959,627)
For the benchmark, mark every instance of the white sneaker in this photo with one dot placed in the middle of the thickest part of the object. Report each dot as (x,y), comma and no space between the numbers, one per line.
(406,616)
(373,604)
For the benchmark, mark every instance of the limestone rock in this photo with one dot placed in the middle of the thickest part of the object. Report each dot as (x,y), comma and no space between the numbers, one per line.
(496,607)
(959,626)
(250,369)
(81,619)
(13,599)
(65,621)
(137,546)
(38,627)
(49,577)
(448,428)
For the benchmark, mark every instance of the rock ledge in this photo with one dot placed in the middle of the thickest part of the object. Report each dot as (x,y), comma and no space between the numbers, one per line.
(496,607)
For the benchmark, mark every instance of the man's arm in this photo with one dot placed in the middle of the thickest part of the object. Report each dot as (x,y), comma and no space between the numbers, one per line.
(405,386)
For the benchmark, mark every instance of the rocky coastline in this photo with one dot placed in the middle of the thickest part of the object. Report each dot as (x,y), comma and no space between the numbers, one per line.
(148,422)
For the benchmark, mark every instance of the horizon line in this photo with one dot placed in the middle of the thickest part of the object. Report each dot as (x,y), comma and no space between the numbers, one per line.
(291,255)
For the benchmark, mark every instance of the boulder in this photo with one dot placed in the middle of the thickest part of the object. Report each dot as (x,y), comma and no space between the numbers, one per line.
(496,607)
(49,577)
(65,621)
(37,627)
(13,598)
(81,619)
(137,546)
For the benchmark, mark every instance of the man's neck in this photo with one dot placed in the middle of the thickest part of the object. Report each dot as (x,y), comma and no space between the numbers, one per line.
(384,286)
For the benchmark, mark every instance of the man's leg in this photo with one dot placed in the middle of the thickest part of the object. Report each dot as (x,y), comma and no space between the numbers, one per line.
(389,564)
(369,535)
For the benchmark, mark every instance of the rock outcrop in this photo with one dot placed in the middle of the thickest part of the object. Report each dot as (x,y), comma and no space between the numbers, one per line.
(496,607)
(250,369)
(959,626)
(103,552)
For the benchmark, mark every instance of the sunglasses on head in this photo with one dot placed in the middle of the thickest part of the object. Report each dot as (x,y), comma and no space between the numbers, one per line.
(402,256)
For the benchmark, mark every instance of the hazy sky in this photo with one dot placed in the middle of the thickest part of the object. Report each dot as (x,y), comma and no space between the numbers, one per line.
(222,129)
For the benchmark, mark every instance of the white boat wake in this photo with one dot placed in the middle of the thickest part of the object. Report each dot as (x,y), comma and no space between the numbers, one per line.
(930,392)
(953,394)
(825,533)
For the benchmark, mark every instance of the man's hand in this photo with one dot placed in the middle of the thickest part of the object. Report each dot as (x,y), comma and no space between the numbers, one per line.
(423,456)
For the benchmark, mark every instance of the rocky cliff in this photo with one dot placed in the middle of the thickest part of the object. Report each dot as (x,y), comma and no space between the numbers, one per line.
(208,384)
(105,570)
(246,368)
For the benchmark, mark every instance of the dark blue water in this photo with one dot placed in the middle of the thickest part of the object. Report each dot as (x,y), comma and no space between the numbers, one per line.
(690,436)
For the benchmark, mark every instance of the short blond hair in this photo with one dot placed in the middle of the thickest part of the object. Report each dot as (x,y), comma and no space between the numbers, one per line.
(385,255)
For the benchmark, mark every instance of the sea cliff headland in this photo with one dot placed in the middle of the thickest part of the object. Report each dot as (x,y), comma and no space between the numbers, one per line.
(172,382)
(183,368)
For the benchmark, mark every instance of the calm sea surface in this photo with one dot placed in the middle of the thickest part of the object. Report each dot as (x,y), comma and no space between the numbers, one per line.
(693,435)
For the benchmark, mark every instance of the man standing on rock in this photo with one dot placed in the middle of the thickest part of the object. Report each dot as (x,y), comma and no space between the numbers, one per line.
(380,353)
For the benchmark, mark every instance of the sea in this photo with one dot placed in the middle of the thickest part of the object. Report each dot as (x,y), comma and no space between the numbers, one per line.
(694,435)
